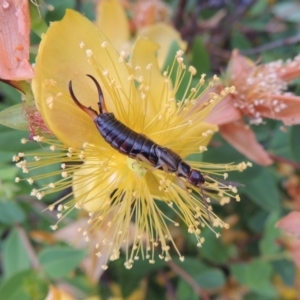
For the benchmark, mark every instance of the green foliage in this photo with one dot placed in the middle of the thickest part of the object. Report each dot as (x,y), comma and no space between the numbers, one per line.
(295,142)
(38,24)
(11,213)
(205,276)
(268,245)
(13,117)
(15,259)
(251,253)
(14,288)
(288,11)
(263,191)
(121,275)
(214,250)
(59,261)
(25,285)
(255,275)
(239,41)
(200,58)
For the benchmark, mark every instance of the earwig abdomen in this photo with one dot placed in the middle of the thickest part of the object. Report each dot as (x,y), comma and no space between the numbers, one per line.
(121,137)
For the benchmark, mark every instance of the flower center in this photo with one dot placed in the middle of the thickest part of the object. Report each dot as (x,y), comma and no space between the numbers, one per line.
(136,167)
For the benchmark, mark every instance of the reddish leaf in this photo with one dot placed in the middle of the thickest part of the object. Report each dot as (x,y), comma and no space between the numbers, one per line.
(291,224)
(14,40)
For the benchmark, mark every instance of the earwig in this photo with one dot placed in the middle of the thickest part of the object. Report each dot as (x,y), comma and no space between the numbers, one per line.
(136,145)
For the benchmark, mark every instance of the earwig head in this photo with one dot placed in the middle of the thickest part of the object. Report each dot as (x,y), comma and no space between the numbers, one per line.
(91,112)
(196,178)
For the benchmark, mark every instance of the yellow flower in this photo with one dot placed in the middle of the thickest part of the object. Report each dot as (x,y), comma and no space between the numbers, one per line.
(114,189)
(149,22)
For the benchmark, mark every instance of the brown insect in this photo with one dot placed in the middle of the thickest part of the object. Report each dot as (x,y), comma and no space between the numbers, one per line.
(137,145)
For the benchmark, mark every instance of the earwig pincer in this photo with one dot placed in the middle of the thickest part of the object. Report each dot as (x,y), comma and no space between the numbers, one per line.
(136,145)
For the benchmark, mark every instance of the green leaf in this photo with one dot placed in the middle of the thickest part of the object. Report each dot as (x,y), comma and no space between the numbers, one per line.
(88,10)
(38,24)
(14,288)
(185,291)
(295,142)
(10,141)
(263,190)
(211,279)
(8,173)
(205,276)
(139,270)
(254,296)
(5,157)
(200,57)
(59,9)
(256,276)
(288,11)
(25,285)
(280,143)
(15,257)
(257,221)
(8,191)
(167,67)
(10,94)
(258,8)
(239,41)
(286,270)
(213,249)
(11,213)
(267,244)
(59,261)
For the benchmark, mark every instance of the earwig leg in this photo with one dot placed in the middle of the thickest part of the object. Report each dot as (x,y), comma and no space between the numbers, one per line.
(92,113)
(141,158)
(101,103)
(164,167)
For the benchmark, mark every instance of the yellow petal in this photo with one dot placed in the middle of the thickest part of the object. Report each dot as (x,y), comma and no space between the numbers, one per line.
(92,188)
(70,49)
(153,186)
(164,35)
(56,293)
(145,63)
(112,20)
(187,139)
(194,137)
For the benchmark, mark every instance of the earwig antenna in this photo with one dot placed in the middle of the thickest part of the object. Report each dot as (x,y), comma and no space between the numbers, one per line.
(101,103)
(92,113)
(224,181)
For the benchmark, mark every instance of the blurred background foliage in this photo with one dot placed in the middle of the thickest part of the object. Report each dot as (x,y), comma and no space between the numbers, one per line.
(251,260)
